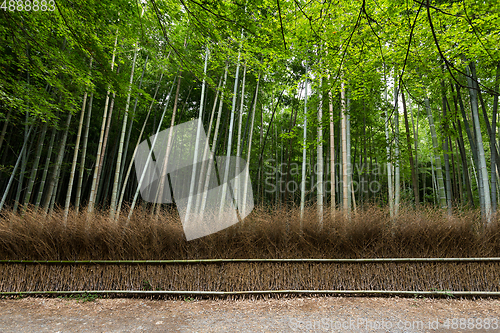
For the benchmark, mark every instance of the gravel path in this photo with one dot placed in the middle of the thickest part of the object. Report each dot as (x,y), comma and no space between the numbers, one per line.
(309,314)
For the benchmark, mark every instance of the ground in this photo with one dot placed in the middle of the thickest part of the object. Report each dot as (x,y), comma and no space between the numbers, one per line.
(310,314)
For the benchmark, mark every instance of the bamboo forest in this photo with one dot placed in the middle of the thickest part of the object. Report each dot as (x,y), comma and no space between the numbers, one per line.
(364,128)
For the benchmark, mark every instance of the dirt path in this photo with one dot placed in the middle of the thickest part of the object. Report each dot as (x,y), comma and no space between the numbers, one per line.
(325,314)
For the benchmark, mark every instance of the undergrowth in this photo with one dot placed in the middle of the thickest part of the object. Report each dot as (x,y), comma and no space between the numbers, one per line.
(268,232)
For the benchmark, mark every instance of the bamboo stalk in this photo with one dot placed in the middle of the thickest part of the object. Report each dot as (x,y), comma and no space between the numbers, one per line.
(95,184)
(304,153)
(114,193)
(11,179)
(259,292)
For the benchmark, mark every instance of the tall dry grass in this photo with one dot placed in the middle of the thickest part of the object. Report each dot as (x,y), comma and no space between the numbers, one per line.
(268,232)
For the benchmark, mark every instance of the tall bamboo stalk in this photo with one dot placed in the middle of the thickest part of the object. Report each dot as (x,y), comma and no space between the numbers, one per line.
(127,140)
(345,167)
(230,138)
(332,154)
(163,176)
(414,177)
(351,194)
(4,128)
(319,168)
(11,179)
(46,169)
(143,174)
(75,156)
(34,169)
(57,168)
(237,190)
(249,150)
(24,162)
(214,148)
(397,172)
(495,110)
(84,153)
(445,149)
(389,159)
(124,186)
(93,190)
(104,158)
(198,134)
(122,138)
(304,156)
(439,171)
(486,210)
(206,151)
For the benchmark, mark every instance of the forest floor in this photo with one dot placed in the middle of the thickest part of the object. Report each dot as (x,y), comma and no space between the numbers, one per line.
(309,314)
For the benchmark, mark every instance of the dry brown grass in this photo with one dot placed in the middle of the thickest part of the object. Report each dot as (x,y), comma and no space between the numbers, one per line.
(268,232)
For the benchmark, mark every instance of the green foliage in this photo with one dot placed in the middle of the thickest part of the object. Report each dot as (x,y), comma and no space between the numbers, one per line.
(369,45)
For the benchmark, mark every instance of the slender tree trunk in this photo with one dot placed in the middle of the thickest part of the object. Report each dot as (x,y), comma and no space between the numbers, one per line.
(231,122)
(237,189)
(127,140)
(470,137)
(57,168)
(397,173)
(320,193)
(439,170)
(122,140)
(350,189)
(364,164)
(457,185)
(463,155)
(103,160)
(345,170)
(434,182)
(123,188)
(461,147)
(206,150)
(75,157)
(107,182)
(34,169)
(249,151)
(494,153)
(84,153)
(473,145)
(445,148)
(46,169)
(486,210)
(304,156)
(214,144)
(414,177)
(169,147)
(415,137)
(495,158)
(149,158)
(495,110)
(261,138)
(93,190)
(198,134)
(24,162)
(53,198)
(4,128)
(332,155)
(389,163)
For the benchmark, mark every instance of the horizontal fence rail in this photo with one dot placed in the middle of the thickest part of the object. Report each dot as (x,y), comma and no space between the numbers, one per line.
(216,261)
(449,293)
